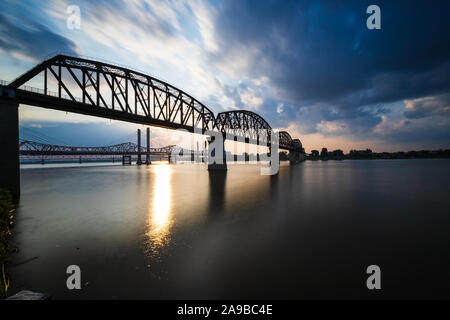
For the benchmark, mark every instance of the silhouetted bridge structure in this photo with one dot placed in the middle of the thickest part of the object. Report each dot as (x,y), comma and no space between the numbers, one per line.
(94,88)
(35,150)
(31,148)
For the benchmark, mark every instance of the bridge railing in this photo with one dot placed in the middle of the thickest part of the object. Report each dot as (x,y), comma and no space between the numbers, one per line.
(41,91)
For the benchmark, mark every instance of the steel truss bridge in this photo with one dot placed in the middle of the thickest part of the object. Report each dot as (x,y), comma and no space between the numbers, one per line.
(95,88)
(32,148)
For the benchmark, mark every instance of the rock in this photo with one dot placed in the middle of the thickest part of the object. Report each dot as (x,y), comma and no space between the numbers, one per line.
(29,295)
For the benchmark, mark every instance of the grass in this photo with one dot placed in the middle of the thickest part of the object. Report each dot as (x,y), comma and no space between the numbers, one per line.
(6,221)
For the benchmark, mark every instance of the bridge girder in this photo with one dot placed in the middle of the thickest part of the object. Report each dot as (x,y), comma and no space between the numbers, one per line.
(113,92)
(119,93)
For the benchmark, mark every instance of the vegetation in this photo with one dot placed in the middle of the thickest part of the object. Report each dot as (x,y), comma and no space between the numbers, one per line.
(6,221)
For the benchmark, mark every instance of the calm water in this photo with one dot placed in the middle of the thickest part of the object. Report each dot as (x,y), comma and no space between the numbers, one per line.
(177,231)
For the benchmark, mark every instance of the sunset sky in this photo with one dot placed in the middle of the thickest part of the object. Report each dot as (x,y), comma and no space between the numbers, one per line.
(311,67)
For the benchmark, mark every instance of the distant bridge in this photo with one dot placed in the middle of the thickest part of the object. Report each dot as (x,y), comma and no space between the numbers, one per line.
(94,88)
(32,148)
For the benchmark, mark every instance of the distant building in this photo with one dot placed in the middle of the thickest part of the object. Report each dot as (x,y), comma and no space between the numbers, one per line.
(314,153)
(324,153)
(336,153)
(361,153)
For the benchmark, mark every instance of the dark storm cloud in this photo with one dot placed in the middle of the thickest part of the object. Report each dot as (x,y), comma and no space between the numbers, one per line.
(318,53)
(33,41)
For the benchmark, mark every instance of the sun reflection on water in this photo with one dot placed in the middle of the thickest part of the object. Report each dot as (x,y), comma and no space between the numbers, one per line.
(159,212)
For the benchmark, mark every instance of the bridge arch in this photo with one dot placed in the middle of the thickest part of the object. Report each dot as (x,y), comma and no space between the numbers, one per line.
(243,123)
(286,142)
(297,144)
(112,92)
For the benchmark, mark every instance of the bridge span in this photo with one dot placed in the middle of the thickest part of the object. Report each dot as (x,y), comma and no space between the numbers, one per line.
(94,88)
(32,150)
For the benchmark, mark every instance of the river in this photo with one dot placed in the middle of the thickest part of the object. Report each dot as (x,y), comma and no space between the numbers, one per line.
(178,231)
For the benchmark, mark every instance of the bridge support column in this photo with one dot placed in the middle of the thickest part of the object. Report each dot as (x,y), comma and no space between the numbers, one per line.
(139,159)
(216,166)
(235,156)
(257,148)
(295,157)
(147,159)
(9,141)
(247,150)
(292,156)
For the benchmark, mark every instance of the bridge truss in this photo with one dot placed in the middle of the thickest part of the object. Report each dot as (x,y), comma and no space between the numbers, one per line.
(32,148)
(104,90)
(95,88)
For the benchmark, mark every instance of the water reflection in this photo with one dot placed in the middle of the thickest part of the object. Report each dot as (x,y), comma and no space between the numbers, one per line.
(217,183)
(272,237)
(160,218)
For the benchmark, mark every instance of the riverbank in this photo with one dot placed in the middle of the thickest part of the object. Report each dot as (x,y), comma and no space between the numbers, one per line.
(6,220)
(368,155)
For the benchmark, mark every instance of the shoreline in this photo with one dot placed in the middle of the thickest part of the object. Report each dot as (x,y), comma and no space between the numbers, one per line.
(6,221)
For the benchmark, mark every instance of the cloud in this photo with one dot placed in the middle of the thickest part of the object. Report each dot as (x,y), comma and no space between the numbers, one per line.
(424,107)
(31,41)
(332,128)
(169,39)
(309,66)
(321,60)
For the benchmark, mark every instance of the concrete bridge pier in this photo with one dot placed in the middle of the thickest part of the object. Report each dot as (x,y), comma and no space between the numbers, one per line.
(9,140)
(292,157)
(217,166)
(235,155)
(257,149)
(295,157)
(247,150)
